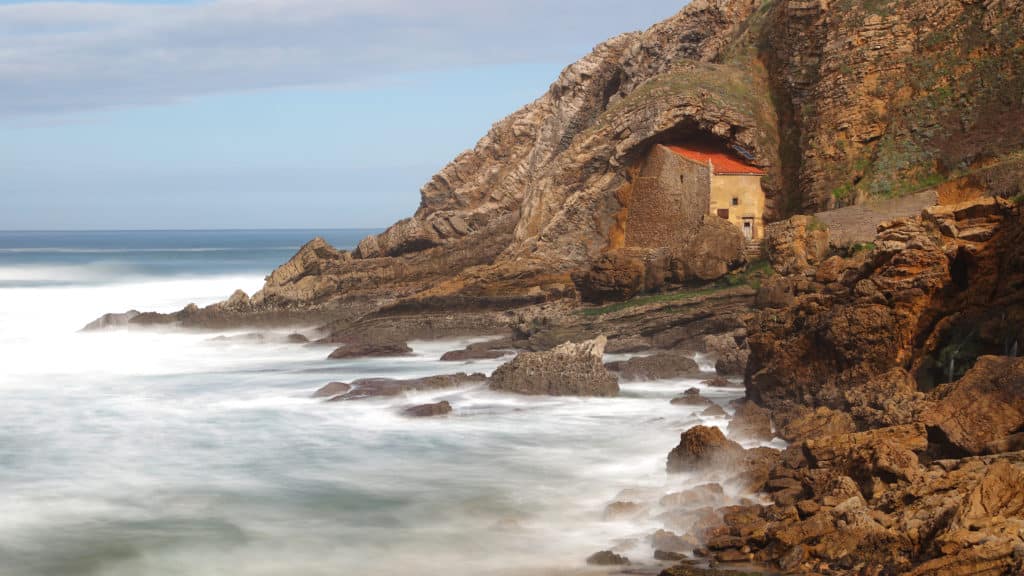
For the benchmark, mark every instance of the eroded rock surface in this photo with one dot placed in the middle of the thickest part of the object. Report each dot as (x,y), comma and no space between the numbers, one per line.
(571,369)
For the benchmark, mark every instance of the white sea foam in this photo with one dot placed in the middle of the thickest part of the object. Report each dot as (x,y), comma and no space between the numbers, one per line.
(134,452)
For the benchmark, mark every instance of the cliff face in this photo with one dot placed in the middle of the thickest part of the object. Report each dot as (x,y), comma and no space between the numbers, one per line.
(887,97)
(838,101)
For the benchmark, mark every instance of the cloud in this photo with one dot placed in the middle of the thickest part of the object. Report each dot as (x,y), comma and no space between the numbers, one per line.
(64,57)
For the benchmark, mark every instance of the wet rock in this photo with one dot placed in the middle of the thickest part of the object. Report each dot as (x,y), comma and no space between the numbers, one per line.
(719,382)
(890,451)
(982,408)
(661,366)
(702,447)
(296,338)
(370,350)
(730,358)
(751,421)
(332,389)
(702,495)
(691,397)
(607,558)
(428,410)
(238,302)
(570,369)
(111,320)
(624,510)
(628,344)
(817,423)
(667,541)
(472,352)
(623,273)
(666,556)
(378,387)
(714,411)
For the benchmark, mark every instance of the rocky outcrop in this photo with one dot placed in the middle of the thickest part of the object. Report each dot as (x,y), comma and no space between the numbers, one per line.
(332,389)
(364,349)
(796,244)
(381,387)
(623,273)
(571,369)
(925,299)
(703,447)
(660,366)
(890,467)
(691,397)
(111,320)
(979,412)
(428,410)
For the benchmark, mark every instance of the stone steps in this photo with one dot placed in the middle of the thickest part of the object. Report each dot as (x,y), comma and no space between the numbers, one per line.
(754,250)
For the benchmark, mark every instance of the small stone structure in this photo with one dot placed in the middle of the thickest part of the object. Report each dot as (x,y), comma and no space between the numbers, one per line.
(677,185)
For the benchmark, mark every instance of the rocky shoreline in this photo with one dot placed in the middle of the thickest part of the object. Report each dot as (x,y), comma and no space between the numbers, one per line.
(889,367)
(886,470)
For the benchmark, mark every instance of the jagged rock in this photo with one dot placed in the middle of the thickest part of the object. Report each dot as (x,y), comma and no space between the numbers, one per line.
(888,399)
(624,273)
(660,366)
(377,387)
(751,421)
(332,389)
(238,302)
(714,411)
(983,407)
(481,351)
(820,422)
(702,447)
(775,292)
(607,558)
(691,397)
(304,278)
(885,450)
(111,320)
(841,344)
(702,495)
(571,369)
(715,248)
(428,410)
(797,244)
(730,359)
(624,510)
(370,350)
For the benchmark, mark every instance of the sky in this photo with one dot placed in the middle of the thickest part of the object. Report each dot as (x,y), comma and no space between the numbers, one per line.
(265,113)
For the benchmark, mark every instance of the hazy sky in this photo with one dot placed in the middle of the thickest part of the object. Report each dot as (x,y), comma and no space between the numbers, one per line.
(265,113)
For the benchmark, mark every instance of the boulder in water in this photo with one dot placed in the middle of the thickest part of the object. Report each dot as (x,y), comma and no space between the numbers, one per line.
(428,410)
(607,558)
(111,320)
(659,366)
(370,350)
(571,369)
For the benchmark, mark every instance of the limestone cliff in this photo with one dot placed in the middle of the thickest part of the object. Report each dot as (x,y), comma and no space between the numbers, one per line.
(837,101)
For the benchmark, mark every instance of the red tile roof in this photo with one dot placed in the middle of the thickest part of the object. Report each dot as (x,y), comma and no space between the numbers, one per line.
(721,162)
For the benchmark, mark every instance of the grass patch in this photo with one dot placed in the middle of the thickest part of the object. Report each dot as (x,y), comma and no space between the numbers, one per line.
(751,276)
(816,225)
(652,299)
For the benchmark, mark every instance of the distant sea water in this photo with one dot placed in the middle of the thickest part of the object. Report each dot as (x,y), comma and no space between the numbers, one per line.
(168,452)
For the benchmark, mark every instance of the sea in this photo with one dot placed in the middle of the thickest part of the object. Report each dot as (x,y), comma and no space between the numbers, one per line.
(162,451)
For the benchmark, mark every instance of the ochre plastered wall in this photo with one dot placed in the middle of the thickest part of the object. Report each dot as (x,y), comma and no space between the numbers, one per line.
(746,189)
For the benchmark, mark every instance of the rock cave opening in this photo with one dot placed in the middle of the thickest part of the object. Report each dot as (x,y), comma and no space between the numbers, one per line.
(961,268)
